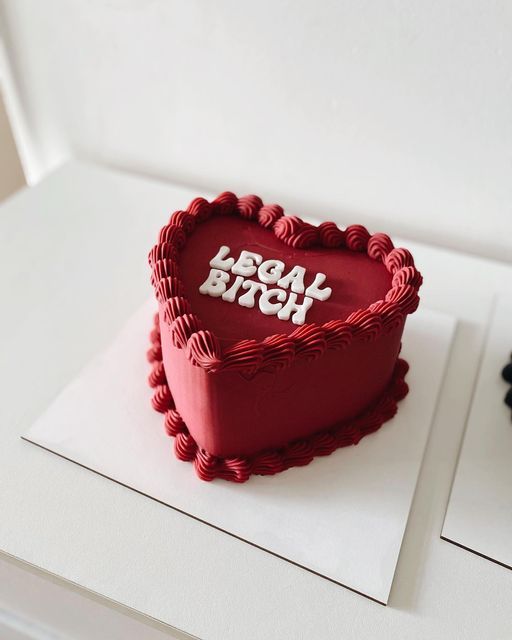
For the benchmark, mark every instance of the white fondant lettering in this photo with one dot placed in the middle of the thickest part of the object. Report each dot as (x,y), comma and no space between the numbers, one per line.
(246,264)
(298,310)
(247,300)
(270,271)
(295,278)
(215,283)
(221,261)
(230,294)
(271,308)
(314,291)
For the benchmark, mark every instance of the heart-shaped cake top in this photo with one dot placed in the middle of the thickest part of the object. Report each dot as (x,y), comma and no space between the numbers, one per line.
(245,287)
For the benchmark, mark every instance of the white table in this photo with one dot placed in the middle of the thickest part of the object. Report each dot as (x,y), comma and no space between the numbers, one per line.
(67,288)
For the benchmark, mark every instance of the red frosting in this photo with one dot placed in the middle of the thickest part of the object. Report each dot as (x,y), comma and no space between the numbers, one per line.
(268,462)
(244,382)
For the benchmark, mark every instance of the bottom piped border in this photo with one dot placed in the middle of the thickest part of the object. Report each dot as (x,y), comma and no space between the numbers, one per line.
(295,454)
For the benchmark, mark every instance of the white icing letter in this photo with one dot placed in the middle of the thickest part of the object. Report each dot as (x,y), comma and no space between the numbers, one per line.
(313,290)
(295,278)
(245,265)
(270,271)
(230,294)
(271,308)
(247,300)
(299,310)
(221,261)
(215,283)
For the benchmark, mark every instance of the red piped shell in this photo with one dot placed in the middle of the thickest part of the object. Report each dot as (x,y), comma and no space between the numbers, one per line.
(173,235)
(338,334)
(185,446)
(367,324)
(244,355)
(269,214)
(200,209)
(407,275)
(162,251)
(203,350)
(225,204)
(379,245)
(184,220)
(249,206)
(173,422)
(330,235)
(390,314)
(175,307)
(162,399)
(182,328)
(397,259)
(295,232)
(167,288)
(157,375)
(357,237)
(278,352)
(164,269)
(309,341)
(406,296)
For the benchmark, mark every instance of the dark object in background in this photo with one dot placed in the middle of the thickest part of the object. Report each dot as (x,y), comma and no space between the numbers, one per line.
(508,398)
(507,372)
(507,376)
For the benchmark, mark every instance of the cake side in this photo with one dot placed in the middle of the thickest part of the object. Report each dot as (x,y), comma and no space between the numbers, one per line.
(297,452)
(230,414)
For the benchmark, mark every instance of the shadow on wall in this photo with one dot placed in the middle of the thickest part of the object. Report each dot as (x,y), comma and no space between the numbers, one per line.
(11,172)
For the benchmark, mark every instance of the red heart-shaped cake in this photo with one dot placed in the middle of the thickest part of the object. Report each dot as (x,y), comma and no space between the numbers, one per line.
(276,341)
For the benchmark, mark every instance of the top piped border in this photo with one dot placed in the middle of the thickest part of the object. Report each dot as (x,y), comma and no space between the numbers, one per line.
(308,341)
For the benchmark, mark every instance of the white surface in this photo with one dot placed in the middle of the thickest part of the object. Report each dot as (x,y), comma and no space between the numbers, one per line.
(479,514)
(40,607)
(396,111)
(342,517)
(88,231)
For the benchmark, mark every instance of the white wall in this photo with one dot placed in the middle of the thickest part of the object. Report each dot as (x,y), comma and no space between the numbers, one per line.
(394,113)
(11,172)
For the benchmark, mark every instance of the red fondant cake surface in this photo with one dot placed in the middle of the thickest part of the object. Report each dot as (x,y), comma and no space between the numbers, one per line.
(240,387)
(355,280)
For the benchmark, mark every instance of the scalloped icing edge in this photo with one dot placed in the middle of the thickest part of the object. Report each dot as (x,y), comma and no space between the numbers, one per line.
(309,341)
(297,453)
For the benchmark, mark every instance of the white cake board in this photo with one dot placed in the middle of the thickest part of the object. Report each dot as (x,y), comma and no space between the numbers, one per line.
(479,514)
(342,517)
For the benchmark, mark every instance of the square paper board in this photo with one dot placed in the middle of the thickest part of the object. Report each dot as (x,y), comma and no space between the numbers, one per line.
(479,514)
(342,517)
